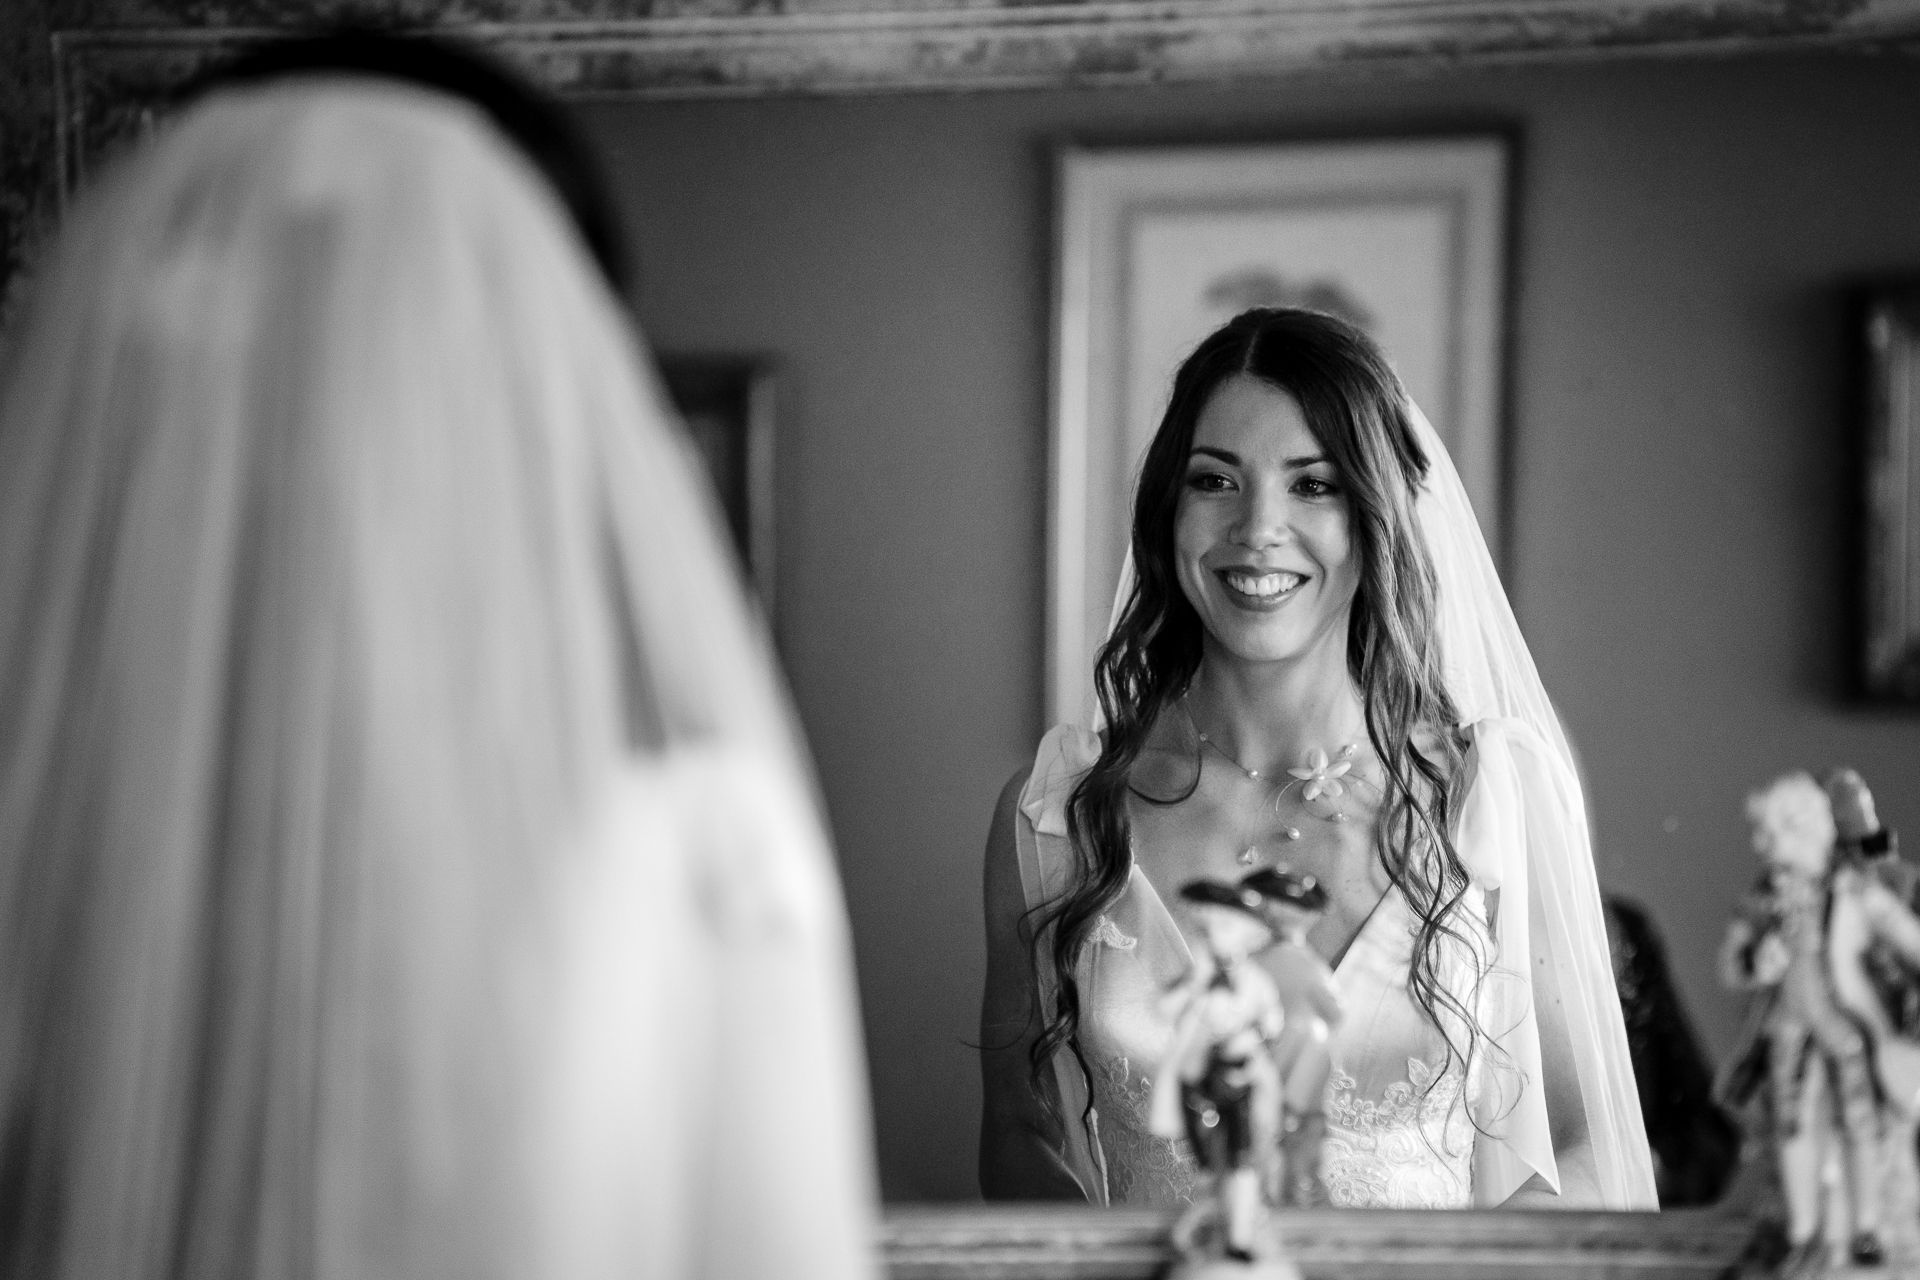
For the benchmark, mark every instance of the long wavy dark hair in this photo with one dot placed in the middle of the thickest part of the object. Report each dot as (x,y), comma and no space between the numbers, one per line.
(1357,410)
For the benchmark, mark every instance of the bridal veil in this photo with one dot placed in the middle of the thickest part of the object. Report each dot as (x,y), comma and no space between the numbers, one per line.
(408,862)
(1526,839)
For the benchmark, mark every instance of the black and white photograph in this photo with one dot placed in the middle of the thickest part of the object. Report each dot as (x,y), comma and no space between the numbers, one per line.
(959,639)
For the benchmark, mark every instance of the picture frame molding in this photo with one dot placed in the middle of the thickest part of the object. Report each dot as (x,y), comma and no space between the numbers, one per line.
(1890,601)
(1087,499)
(758,374)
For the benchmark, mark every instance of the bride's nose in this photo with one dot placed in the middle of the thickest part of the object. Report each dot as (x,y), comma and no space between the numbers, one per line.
(1265,518)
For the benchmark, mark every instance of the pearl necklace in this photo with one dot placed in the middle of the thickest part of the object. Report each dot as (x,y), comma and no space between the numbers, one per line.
(1317,776)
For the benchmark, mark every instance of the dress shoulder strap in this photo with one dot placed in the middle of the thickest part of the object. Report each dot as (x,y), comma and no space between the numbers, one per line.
(1046,858)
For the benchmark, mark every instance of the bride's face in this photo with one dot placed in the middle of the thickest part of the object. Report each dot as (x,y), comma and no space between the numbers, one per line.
(1262,542)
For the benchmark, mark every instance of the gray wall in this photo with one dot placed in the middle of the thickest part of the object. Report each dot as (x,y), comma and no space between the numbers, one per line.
(1681,435)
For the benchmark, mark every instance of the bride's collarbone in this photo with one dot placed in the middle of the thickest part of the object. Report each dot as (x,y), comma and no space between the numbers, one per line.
(1204,828)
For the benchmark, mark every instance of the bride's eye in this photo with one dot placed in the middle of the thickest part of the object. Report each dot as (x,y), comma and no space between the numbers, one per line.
(1209,482)
(1315,487)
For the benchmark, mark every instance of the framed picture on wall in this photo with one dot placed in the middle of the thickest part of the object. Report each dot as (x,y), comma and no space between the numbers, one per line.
(1157,246)
(1892,578)
(728,406)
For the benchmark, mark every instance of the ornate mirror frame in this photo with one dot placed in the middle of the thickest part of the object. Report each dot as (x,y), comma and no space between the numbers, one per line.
(90,72)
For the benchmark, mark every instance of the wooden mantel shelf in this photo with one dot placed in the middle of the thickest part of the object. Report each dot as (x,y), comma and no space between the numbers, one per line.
(1032,1242)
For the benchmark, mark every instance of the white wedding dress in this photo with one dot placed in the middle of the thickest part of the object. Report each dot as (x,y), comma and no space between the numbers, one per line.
(1408,1123)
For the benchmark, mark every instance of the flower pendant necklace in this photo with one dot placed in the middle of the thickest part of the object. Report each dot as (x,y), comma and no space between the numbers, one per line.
(1319,777)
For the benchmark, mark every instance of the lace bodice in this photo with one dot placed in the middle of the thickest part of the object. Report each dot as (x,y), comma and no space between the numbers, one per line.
(1398,1128)
(1142,1166)
(1405,1150)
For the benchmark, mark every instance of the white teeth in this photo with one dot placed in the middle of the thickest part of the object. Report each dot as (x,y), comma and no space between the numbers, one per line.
(1264,585)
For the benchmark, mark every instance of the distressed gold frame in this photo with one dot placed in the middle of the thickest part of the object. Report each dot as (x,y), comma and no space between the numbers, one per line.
(109,75)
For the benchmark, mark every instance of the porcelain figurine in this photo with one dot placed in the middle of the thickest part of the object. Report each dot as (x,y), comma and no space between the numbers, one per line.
(1293,903)
(1863,840)
(1218,1087)
(1819,1037)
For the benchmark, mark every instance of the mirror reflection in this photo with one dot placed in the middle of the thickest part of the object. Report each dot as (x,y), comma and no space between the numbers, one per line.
(1335,682)
(1275,700)
(1679,504)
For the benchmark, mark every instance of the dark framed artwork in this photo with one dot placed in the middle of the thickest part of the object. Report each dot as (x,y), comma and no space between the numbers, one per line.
(1891,670)
(728,406)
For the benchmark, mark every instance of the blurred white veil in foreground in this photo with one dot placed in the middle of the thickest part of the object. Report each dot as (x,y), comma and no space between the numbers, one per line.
(408,864)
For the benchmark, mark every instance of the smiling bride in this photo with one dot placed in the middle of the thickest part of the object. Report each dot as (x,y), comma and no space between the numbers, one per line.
(1313,665)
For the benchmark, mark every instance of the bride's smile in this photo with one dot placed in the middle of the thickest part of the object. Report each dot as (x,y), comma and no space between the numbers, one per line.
(1261,588)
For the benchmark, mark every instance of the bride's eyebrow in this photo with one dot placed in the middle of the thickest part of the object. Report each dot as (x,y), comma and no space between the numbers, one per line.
(1232,459)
